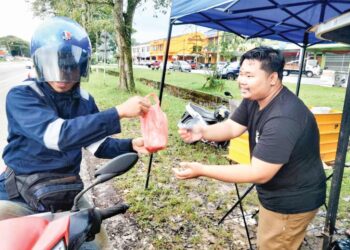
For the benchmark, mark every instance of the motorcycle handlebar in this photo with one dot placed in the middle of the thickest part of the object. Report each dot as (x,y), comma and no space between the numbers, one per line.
(109,212)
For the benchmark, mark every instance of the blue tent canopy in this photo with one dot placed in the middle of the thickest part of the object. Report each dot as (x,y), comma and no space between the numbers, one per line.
(283,20)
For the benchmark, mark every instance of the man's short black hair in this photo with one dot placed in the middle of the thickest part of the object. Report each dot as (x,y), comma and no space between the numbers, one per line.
(271,59)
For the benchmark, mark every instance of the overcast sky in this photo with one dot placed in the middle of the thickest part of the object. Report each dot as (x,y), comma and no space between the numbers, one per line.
(16,19)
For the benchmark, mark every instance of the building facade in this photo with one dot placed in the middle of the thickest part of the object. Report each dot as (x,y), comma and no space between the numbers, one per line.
(141,53)
(189,47)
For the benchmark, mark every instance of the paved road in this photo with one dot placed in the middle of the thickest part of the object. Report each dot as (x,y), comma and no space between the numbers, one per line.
(307,80)
(11,74)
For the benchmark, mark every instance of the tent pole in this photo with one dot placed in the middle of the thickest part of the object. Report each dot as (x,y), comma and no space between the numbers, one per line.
(338,172)
(300,70)
(165,60)
(161,90)
(301,67)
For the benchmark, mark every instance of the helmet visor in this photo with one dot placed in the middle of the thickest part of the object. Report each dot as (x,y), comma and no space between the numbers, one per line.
(64,63)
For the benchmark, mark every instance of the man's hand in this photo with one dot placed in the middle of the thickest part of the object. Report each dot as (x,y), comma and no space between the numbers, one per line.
(139,146)
(134,106)
(188,170)
(192,135)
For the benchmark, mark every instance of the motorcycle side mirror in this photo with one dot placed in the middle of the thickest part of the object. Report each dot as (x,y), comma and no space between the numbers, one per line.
(117,166)
(227,93)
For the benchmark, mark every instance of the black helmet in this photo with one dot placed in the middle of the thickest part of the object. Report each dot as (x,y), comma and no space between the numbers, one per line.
(61,50)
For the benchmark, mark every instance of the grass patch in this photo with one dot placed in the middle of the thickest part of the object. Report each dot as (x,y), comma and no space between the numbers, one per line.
(183,214)
(168,202)
(311,95)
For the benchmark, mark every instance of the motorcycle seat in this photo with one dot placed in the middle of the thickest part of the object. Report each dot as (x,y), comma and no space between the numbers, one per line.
(206,114)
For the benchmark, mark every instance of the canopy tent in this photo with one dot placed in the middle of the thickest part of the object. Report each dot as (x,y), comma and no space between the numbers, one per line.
(283,20)
(278,20)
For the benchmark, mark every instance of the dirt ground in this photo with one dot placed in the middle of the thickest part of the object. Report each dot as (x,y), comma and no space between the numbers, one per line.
(124,232)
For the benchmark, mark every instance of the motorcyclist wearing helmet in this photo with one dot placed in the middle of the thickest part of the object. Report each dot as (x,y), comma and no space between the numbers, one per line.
(51,119)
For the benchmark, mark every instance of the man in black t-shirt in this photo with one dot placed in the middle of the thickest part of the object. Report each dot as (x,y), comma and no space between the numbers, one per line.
(284,148)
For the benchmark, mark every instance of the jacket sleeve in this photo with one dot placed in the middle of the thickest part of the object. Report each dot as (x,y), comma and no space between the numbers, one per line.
(28,114)
(110,148)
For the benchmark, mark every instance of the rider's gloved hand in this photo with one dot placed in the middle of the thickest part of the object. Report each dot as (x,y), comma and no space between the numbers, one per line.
(134,106)
(139,146)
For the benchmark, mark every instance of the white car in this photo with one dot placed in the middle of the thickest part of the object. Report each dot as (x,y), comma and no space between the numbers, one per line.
(182,66)
(169,65)
(220,66)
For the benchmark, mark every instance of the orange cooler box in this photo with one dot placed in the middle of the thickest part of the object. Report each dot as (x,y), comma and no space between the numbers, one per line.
(328,125)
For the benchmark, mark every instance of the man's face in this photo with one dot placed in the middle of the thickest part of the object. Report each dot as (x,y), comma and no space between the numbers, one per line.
(61,87)
(254,83)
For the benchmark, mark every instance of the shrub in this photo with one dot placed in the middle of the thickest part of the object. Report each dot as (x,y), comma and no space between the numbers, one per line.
(213,80)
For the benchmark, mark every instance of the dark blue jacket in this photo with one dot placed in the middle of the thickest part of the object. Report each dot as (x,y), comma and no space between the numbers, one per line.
(47,130)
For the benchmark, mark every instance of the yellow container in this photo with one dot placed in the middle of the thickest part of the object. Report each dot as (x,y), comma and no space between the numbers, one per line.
(328,125)
(238,150)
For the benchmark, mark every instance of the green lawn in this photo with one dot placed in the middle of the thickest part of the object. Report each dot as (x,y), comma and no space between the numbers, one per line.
(310,94)
(185,213)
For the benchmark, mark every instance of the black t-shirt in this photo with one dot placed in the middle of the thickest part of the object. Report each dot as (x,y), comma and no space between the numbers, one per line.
(285,132)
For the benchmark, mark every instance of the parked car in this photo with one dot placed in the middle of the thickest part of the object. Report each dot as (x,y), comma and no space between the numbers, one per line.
(196,65)
(169,65)
(220,66)
(200,65)
(230,71)
(311,68)
(193,64)
(182,66)
(144,62)
(155,65)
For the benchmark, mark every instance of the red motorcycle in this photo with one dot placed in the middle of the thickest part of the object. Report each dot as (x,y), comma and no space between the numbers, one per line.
(69,229)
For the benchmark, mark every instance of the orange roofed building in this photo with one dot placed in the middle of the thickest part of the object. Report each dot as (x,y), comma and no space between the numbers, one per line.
(189,46)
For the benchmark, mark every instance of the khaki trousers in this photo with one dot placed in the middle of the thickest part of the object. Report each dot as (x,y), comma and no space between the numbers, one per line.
(282,231)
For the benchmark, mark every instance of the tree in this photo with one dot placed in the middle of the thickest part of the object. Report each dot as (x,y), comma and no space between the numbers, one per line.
(123,12)
(232,45)
(15,46)
(87,12)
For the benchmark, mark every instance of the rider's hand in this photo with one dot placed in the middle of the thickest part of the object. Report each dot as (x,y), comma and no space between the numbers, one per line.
(188,170)
(192,135)
(134,106)
(139,146)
